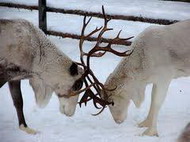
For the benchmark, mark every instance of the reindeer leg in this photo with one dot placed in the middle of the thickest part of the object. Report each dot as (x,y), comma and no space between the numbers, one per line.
(159,92)
(16,95)
(3,79)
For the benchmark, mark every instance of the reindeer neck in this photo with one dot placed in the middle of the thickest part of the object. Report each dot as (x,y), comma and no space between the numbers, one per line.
(48,57)
(131,67)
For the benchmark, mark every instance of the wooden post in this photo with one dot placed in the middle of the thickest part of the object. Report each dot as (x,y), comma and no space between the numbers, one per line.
(42,15)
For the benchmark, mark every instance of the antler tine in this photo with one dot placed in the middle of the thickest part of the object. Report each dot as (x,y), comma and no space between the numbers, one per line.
(121,54)
(83,37)
(104,29)
(123,41)
(99,111)
(101,102)
(94,31)
(85,24)
(106,20)
(83,30)
(99,54)
(118,34)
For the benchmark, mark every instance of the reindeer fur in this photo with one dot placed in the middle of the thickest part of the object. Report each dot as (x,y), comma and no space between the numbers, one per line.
(161,53)
(26,53)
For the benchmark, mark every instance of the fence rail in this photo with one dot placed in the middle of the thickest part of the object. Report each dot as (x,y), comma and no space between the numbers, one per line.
(93,14)
(43,9)
(75,36)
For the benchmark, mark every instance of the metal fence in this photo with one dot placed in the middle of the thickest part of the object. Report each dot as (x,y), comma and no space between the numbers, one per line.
(43,9)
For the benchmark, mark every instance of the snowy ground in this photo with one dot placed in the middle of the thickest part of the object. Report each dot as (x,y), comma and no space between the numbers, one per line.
(55,127)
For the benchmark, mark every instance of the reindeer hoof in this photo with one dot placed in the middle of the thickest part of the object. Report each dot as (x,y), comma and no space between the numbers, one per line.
(145,123)
(150,132)
(27,130)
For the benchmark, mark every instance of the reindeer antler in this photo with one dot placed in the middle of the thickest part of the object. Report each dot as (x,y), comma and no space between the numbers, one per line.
(98,51)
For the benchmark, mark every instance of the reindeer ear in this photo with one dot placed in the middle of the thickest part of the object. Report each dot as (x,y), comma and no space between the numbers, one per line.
(73,69)
(42,92)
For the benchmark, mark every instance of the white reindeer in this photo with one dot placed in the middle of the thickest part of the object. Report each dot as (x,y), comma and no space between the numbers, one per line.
(26,53)
(161,53)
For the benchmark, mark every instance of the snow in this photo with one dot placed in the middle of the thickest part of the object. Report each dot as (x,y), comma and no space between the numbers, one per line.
(55,127)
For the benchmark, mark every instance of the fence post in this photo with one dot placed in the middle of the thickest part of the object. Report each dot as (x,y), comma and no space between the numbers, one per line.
(42,15)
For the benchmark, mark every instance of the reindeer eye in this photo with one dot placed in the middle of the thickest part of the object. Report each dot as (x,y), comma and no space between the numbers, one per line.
(73,69)
(77,85)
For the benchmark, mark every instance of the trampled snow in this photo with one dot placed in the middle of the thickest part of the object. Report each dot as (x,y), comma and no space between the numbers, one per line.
(82,127)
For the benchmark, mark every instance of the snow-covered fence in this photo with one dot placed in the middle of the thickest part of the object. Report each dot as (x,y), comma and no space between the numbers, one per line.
(43,24)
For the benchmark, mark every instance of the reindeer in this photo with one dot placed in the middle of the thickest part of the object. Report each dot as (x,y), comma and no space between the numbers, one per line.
(26,53)
(160,54)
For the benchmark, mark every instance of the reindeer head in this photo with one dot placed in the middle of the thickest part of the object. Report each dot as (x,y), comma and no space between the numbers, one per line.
(61,75)
(128,89)
(118,110)
(68,100)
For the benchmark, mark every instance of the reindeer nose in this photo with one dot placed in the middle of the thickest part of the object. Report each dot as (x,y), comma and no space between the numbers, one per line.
(64,111)
(119,121)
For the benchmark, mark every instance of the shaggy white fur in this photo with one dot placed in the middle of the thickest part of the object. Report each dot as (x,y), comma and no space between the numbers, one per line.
(26,52)
(161,53)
